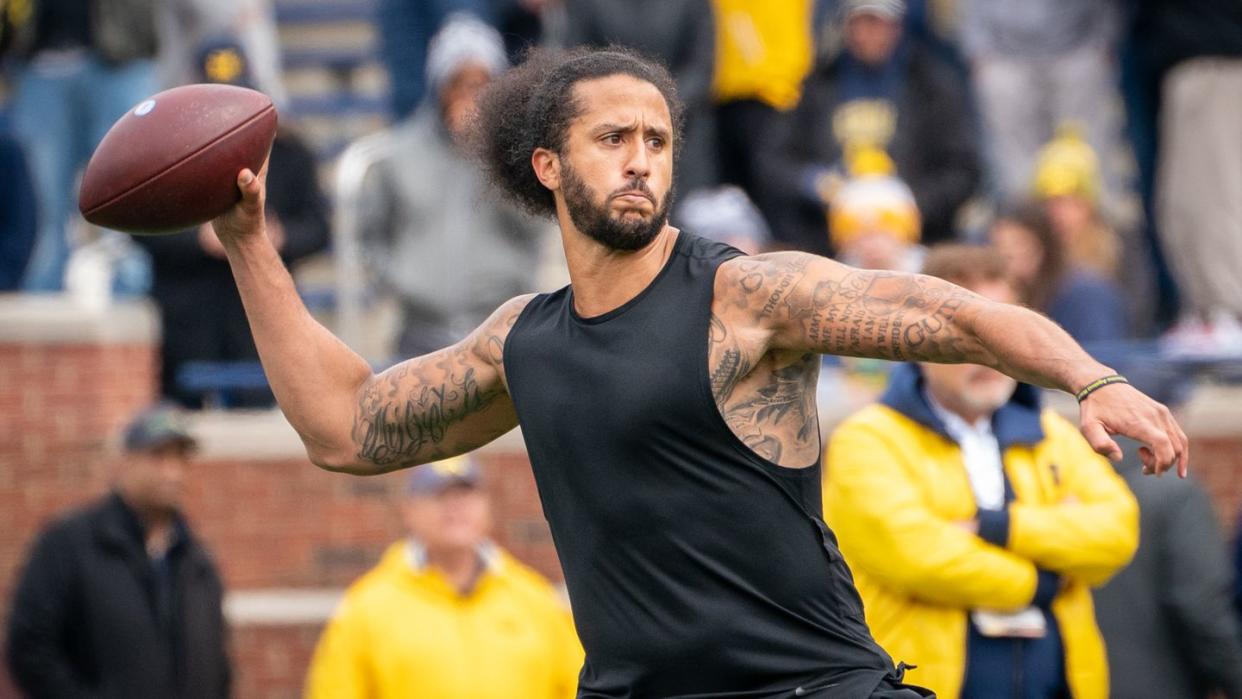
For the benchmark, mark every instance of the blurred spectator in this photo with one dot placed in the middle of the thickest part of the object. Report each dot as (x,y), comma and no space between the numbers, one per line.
(975,523)
(424,211)
(405,28)
(525,24)
(79,65)
(120,599)
(873,220)
(446,613)
(1237,572)
(17,213)
(187,24)
(1195,50)
(677,33)
(887,92)
(1037,65)
(1067,182)
(763,51)
(1089,307)
(200,309)
(1167,618)
(725,214)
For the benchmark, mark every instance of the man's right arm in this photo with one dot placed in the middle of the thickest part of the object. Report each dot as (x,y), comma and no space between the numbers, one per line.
(426,408)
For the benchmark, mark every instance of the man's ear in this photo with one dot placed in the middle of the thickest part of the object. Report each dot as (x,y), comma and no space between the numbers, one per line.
(547,167)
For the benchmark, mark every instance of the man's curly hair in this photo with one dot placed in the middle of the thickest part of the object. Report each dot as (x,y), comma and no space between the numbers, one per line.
(532,105)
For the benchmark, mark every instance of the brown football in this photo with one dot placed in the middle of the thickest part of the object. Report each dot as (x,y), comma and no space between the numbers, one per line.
(171,162)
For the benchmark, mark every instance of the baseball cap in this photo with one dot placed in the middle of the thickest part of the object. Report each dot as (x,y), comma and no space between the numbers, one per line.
(888,9)
(434,477)
(222,60)
(157,426)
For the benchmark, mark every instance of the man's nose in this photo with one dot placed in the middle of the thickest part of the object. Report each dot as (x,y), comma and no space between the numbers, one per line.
(638,164)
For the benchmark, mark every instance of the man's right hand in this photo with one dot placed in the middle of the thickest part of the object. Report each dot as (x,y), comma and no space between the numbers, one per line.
(245,220)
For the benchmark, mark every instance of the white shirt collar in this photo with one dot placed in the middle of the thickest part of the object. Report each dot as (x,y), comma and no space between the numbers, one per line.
(416,555)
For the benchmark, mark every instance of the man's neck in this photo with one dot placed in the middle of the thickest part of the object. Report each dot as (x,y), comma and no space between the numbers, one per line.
(954,407)
(157,527)
(460,566)
(604,279)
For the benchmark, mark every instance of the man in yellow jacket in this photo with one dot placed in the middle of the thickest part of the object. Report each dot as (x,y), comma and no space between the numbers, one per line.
(446,614)
(975,524)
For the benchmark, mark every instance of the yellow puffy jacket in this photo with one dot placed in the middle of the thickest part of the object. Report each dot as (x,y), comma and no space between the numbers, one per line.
(894,489)
(406,632)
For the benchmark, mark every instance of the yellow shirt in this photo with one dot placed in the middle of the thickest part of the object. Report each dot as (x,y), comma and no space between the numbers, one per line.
(405,632)
(763,50)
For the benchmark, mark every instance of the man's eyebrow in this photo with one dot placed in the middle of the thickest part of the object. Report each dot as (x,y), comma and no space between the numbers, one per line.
(627,128)
(609,128)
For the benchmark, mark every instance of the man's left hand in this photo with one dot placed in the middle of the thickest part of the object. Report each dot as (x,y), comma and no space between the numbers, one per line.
(1124,410)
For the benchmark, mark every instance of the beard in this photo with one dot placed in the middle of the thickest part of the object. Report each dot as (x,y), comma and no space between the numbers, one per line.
(597,222)
(987,396)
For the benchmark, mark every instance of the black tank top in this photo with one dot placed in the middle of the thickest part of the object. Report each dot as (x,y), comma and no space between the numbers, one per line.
(694,566)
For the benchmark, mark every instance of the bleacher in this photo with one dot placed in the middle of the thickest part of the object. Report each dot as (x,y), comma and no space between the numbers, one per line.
(337,87)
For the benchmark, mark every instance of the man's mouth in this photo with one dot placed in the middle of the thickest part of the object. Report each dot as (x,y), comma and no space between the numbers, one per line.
(634,196)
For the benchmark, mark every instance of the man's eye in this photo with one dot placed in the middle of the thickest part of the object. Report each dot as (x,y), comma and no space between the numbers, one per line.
(613,139)
(656,143)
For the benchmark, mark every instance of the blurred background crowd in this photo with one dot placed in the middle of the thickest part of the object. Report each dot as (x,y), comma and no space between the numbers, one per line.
(1092,143)
(1092,146)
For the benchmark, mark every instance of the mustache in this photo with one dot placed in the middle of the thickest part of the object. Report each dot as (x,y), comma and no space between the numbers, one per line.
(635,185)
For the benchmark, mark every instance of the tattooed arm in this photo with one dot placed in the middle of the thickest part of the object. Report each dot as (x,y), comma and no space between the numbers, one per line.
(806,303)
(426,408)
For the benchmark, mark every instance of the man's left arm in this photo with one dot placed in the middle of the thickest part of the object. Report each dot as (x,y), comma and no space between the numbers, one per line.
(810,303)
(1092,530)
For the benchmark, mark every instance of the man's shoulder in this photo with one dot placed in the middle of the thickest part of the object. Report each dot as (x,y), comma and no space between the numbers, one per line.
(80,520)
(67,533)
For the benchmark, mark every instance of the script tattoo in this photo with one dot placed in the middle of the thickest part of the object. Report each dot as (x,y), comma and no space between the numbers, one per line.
(406,415)
(902,317)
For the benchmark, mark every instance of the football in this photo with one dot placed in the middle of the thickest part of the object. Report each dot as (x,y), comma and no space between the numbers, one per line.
(171,162)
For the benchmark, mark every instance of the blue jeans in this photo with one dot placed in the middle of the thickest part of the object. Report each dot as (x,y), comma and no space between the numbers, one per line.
(63,105)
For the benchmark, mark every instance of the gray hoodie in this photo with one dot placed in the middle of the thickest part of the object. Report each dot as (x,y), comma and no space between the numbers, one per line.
(431,230)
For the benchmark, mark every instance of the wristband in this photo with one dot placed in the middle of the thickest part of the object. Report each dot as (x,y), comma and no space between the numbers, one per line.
(1098,384)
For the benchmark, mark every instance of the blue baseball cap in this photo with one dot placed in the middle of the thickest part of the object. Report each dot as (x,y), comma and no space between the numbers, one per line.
(438,476)
(157,426)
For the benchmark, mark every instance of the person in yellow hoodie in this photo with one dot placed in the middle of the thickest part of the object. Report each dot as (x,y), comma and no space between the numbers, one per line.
(447,614)
(976,523)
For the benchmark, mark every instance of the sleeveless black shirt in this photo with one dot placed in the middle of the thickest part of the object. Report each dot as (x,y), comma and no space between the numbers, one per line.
(694,566)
